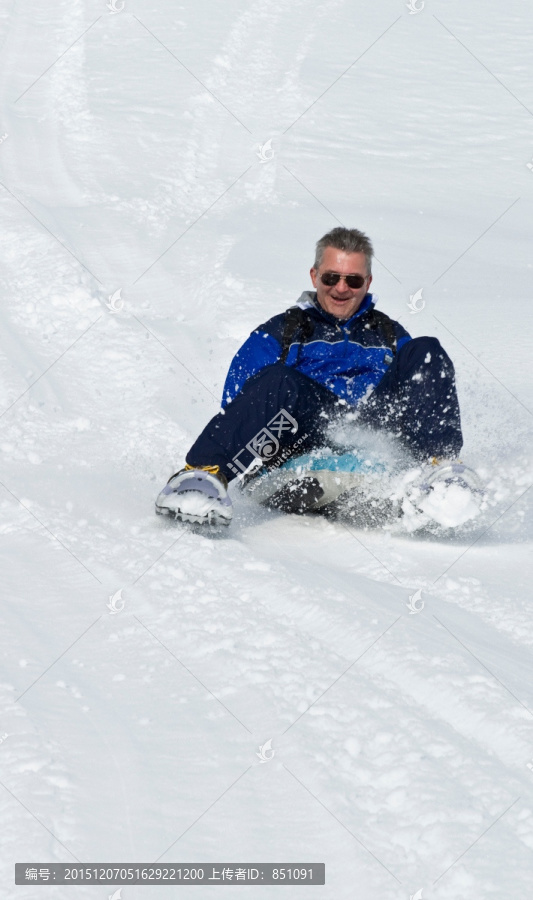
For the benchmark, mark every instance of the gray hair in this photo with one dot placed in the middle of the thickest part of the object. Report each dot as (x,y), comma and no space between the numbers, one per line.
(348,239)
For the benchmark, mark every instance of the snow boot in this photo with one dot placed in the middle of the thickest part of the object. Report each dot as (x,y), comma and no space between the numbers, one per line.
(448,472)
(196,494)
(447,492)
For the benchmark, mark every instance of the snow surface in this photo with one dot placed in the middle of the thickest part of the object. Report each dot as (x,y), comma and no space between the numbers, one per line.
(143,237)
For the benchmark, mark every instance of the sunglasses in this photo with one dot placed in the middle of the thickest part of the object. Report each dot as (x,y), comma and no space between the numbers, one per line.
(330,279)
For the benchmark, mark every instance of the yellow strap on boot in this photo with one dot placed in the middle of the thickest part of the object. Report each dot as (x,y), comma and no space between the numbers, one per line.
(213,470)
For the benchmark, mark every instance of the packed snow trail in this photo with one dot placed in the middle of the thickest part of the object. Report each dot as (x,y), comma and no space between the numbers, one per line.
(143,665)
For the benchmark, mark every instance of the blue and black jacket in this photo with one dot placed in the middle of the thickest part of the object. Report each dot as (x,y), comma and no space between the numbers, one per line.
(348,357)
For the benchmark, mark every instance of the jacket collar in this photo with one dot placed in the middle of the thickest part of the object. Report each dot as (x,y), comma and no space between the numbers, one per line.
(308,300)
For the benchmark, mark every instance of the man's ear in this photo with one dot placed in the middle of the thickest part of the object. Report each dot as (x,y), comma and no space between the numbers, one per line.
(313,274)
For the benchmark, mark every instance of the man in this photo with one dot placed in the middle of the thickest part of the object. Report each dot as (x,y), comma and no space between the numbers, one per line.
(330,354)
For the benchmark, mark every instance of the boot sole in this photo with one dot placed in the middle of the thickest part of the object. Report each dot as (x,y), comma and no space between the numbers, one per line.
(211,518)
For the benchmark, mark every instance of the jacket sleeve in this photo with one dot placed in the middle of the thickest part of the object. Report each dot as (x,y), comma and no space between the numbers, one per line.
(402,336)
(260,350)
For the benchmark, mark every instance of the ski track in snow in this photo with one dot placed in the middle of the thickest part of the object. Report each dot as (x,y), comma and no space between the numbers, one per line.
(132,725)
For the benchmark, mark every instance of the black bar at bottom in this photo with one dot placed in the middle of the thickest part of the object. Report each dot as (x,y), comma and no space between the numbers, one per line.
(175,873)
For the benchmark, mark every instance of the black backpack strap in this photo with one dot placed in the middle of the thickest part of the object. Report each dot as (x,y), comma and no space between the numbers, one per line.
(296,320)
(378,319)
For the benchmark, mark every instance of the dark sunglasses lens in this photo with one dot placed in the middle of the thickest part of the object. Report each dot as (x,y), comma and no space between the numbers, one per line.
(332,278)
(329,279)
(355,281)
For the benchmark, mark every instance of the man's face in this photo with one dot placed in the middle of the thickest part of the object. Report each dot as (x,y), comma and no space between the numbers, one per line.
(340,300)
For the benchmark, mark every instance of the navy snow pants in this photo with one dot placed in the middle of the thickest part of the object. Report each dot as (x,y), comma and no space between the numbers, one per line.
(280,412)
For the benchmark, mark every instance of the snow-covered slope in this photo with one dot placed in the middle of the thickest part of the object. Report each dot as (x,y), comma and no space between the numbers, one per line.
(144,233)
